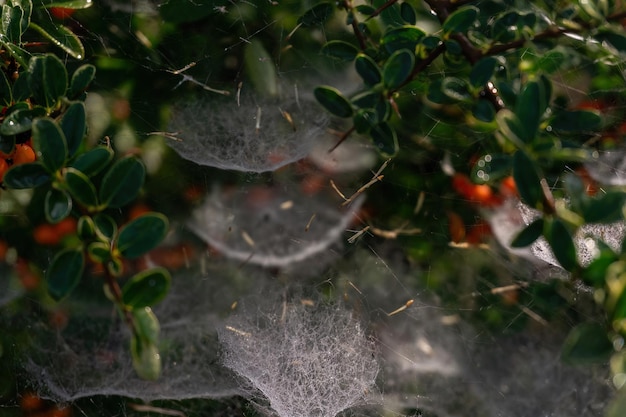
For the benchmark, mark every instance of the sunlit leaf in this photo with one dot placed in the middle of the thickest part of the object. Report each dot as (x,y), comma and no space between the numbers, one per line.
(62,37)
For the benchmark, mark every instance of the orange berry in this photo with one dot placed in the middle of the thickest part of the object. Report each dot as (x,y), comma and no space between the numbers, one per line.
(30,402)
(23,154)
(137,210)
(67,226)
(456,227)
(4,167)
(61,13)
(508,188)
(58,411)
(46,234)
(479,233)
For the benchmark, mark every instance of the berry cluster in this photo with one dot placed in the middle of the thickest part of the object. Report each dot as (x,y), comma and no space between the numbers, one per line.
(22,153)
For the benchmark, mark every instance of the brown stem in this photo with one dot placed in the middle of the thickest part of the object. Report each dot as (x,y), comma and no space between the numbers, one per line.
(342,138)
(116,291)
(382,8)
(347,4)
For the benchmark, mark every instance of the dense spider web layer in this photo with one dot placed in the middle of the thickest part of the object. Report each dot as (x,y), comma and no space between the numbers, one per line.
(306,357)
(609,167)
(272,226)
(248,132)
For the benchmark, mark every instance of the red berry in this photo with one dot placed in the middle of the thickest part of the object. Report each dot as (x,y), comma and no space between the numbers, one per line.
(61,13)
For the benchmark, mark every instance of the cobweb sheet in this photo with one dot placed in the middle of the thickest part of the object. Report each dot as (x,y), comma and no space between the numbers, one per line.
(271,226)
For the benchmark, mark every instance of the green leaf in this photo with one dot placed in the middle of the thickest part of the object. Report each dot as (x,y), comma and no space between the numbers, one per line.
(368,99)
(595,272)
(482,71)
(28,175)
(606,208)
(27,8)
(484,111)
(21,90)
(69,4)
(81,188)
(368,69)
(398,68)
(364,120)
(47,79)
(529,108)
(562,244)
(260,68)
(404,37)
(316,15)
(99,252)
(94,160)
(7,144)
(461,19)
(12,23)
(527,179)
(57,205)
(105,226)
(385,139)
(62,37)
(576,121)
(529,234)
(333,101)
(615,39)
(455,89)
(74,126)
(20,120)
(49,143)
(618,402)
(82,77)
(340,50)
(65,272)
(587,343)
(146,288)
(122,182)
(86,228)
(146,358)
(142,234)
(408,13)
(6,95)
(22,56)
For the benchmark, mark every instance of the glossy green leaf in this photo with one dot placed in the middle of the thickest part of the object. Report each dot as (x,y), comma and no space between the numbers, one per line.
(115,266)
(365,9)
(57,205)
(82,77)
(93,161)
(316,15)
(260,68)
(6,94)
(461,19)
(576,121)
(106,228)
(22,56)
(505,26)
(21,89)
(86,228)
(404,37)
(146,288)
(74,126)
(99,252)
(455,89)
(81,188)
(60,36)
(364,120)
(69,4)
(142,234)
(529,108)
(65,272)
(484,111)
(408,13)
(527,179)
(398,68)
(12,23)
(368,69)
(147,324)
(482,71)
(333,101)
(146,358)
(529,234)
(28,175)
(47,79)
(20,120)
(122,182)
(491,167)
(562,244)
(585,344)
(49,143)
(340,50)
(27,9)
(385,139)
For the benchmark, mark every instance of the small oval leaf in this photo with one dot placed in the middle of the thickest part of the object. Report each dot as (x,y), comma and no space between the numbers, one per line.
(461,19)
(398,68)
(332,100)
(368,69)
(81,188)
(404,37)
(385,139)
(340,50)
(529,234)
(122,182)
(146,288)
(82,77)
(65,272)
(28,175)
(316,15)
(586,343)
(562,245)
(74,126)
(57,205)
(49,143)
(93,161)
(142,234)
(527,179)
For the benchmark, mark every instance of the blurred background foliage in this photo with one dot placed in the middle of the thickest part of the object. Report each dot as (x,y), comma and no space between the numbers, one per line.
(474,104)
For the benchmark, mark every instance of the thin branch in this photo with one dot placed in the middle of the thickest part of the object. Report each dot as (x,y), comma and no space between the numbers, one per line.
(342,138)
(382,8)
